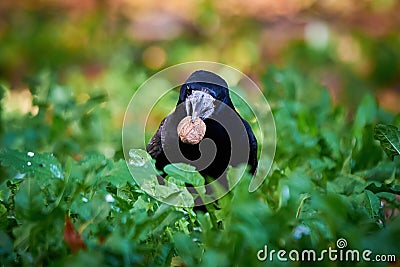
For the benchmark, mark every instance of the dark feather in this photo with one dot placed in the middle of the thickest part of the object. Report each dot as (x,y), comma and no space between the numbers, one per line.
(154,147)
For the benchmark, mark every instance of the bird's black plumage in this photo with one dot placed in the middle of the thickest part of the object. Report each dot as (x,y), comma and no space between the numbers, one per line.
(215,86)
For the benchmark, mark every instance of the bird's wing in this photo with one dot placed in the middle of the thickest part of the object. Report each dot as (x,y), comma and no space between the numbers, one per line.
(253,162)
(154,147)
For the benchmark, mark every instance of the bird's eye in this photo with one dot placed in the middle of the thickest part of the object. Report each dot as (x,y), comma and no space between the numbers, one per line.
(188,90)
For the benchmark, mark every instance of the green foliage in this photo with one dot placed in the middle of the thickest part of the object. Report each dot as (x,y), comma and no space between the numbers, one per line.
(330,180)
(389,136)
(64,125)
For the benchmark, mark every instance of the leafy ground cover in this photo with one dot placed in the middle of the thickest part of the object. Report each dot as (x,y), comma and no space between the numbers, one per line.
(63,202)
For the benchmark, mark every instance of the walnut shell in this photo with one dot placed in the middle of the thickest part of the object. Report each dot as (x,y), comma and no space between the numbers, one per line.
(191,132)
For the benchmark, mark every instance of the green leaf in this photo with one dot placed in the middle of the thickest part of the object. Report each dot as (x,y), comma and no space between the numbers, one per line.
(187,249)
(43,165)
(332,142)
(185,173)
(366,114)
(95,209)
(29,201)
(384,170)
(379,187)
(172,194)
(372,204)
(119,174)
(84,259)
(3,215)
(235,174)
(215,258)
(389,137)
(6,246)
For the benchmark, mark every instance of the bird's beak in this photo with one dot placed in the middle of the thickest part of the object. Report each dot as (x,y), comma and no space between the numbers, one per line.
(199,105)
(197,108)
(194,117)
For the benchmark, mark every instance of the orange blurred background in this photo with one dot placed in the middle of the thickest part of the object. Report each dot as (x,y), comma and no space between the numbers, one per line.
(351,47)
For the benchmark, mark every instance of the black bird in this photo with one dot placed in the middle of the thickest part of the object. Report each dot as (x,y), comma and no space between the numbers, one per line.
(205,95)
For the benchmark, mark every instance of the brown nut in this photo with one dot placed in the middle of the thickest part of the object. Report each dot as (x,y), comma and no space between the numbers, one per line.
(191,132)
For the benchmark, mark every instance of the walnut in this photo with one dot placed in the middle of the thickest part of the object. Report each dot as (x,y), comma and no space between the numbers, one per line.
(191,132)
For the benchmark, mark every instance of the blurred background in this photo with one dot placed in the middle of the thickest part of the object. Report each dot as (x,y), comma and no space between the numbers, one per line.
(101,51)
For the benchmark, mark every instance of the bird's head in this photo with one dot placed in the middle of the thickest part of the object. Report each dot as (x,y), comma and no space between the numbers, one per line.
(201,94)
